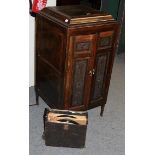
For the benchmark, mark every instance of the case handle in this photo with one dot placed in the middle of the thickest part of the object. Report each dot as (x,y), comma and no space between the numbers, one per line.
(68,121)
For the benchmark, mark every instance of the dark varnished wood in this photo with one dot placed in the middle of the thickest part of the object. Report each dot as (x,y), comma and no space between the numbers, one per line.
(70,16)
(50,60)
(74,59)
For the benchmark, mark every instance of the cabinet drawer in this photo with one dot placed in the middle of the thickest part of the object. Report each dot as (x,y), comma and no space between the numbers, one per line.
(83,45)
(105,40)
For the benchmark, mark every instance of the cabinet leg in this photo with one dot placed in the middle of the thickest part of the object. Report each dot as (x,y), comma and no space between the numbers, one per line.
(102,110)
(37,99)
(37,96)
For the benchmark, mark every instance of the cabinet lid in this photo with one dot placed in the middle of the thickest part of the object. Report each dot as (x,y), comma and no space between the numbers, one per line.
(75,14)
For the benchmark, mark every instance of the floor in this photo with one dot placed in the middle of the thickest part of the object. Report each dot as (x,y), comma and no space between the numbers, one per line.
(105,135)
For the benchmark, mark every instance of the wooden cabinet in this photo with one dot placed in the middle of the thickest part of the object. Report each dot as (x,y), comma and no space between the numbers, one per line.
(75,48)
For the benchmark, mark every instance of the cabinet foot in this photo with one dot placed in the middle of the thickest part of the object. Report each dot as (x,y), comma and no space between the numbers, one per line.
(37,98)
(102,110)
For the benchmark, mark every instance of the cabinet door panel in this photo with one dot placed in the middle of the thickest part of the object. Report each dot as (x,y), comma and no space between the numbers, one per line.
(81,61)
(105,40)
(81,83)
(100,70)
(83,45)
(101,66)
(79,75)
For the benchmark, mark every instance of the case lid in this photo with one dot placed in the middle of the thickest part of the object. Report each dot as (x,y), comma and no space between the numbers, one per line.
(75,14)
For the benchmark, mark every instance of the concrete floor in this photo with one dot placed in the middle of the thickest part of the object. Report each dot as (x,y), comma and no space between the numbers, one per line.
(105,135)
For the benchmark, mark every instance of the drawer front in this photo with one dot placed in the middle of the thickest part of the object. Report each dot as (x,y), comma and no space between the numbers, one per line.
(83,45)
(105,40)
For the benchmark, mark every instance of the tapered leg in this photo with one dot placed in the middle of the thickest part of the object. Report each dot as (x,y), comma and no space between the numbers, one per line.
(37,99)
(102,109)
(37,96)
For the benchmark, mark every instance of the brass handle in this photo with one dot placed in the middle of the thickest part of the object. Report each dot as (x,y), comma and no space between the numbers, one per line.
(91,72)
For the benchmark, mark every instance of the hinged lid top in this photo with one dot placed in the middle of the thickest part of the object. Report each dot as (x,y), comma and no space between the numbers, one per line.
(75,14)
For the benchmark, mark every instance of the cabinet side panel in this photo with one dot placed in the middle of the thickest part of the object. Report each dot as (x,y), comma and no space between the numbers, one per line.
(50,85)
(52,44)
(50,60)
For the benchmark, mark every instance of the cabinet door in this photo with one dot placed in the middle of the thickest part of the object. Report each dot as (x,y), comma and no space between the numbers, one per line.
(101,67)
(82,60)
